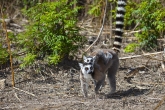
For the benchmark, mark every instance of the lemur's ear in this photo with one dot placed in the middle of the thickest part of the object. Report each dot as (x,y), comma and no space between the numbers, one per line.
(94,57)
(84,57)
(81,65)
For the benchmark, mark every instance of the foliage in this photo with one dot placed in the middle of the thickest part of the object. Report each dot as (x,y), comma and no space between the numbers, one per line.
(149,14)
(3,54)
(131,48)
(52,31)
(29,3)
(28,60)
(96,8)
(129,18)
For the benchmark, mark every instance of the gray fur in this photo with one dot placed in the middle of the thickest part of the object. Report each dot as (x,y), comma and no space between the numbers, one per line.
(106,61)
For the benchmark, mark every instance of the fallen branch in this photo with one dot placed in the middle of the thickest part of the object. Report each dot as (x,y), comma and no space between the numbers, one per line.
(136,56)
(25,91)
(160,103)
(132,73)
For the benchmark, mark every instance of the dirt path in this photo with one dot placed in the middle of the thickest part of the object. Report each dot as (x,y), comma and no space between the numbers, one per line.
(59,89)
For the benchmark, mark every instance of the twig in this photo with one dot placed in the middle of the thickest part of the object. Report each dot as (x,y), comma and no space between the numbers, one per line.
(17,97)
(101,29)
(8,44)
(132,32)
(25,91)
(136,25)
(159,104)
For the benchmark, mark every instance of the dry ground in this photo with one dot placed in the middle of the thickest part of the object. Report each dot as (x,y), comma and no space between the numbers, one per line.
(46,87)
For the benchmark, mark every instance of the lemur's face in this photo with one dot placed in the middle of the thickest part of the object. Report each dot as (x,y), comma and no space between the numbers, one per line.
(87,69)
(89,60)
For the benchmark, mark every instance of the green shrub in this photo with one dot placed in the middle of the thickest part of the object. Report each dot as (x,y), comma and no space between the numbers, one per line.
(149,15)
(96,8)
(52,31)
(3,54)
(131,48)
(28,60)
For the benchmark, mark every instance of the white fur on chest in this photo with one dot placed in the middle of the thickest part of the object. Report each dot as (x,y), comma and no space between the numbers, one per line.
(86,75)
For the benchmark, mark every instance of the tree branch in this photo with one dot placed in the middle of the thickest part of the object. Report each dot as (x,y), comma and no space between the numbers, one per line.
(101,29)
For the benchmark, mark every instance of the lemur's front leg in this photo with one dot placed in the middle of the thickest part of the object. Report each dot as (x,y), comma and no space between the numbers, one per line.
(99,85)
(84,85)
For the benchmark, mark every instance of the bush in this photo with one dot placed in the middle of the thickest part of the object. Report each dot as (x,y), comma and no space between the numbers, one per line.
(131,48)
(149,14)
(3,55)
(52,31)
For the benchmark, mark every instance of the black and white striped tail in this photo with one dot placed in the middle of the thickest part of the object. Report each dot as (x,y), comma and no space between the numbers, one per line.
(119,24)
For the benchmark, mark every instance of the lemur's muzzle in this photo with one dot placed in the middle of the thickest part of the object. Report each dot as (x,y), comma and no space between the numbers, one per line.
(90,72)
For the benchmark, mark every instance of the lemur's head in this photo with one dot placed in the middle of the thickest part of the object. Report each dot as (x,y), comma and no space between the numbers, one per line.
(86,69)
(89,59)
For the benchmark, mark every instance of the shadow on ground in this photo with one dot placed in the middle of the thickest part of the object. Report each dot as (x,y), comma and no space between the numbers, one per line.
(130,92)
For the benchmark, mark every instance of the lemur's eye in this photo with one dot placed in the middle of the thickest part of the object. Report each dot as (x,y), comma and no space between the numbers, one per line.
(91,60)
(87,60)
(86,68)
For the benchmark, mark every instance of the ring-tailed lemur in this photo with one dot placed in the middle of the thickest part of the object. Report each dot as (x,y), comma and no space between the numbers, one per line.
(106,60)
(85,76)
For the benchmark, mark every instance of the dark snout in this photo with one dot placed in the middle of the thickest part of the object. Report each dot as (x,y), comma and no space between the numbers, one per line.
(90,73)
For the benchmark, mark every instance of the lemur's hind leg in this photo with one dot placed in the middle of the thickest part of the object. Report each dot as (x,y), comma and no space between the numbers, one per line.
(112,83)
(99,84)
(112,76)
